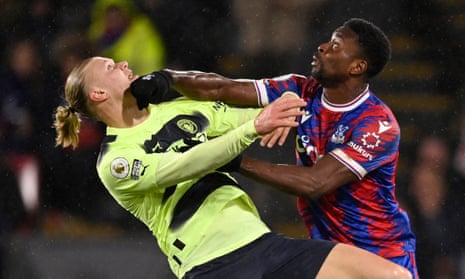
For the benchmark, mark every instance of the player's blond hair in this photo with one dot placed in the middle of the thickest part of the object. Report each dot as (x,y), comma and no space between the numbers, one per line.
(68,116)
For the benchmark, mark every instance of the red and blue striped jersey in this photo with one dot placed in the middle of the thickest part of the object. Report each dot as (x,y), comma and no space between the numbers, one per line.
(363,135)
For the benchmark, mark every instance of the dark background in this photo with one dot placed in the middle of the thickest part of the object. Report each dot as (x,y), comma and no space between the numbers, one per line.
(71,228)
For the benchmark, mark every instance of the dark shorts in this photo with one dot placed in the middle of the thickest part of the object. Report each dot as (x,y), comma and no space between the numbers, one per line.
(272,256)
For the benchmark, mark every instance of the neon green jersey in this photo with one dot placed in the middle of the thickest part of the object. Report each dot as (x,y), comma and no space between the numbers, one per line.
(161,172)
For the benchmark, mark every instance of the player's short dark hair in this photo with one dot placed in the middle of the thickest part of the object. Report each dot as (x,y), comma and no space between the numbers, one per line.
(374,44)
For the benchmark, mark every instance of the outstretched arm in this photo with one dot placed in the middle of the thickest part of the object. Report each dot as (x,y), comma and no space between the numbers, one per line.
(278,114)
(312,182)
(212,86)
(154,87)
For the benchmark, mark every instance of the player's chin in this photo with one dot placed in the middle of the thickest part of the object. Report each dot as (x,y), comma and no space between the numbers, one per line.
(132,77)
(316,73)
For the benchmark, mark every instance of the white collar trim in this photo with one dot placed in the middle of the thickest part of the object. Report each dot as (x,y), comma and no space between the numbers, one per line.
(347,106)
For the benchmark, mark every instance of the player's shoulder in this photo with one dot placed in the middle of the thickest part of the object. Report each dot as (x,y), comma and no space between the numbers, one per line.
(287,78)
(185,105)
(114,146)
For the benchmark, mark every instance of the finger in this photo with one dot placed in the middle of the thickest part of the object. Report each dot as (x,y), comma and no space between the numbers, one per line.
(274,137)
(270,139)
(284,135)
(291,113)
(264,140)
(289,103)
(285,123)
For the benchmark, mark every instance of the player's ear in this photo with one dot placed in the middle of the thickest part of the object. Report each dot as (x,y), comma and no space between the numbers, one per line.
(98,95)
(358,67)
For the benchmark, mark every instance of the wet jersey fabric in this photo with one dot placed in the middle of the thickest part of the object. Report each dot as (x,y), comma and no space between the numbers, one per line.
(152,170)
(363,135)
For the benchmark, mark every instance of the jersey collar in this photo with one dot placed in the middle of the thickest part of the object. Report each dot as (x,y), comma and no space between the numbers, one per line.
(347,106)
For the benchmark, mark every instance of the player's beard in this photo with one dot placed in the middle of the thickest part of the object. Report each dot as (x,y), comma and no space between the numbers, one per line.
(323,77)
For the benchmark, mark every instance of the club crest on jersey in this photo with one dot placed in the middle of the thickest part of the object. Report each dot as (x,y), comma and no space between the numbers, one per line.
(119,167)
(338,136)
(187,125)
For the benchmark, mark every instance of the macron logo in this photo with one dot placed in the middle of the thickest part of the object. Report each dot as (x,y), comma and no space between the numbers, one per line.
(383,126)
(307,115)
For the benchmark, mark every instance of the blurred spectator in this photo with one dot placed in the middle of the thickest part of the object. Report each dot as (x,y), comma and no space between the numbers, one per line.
(34,19)
(72,187)
(433,210)
(22,121)
(68,50)
(121,31)
(41,25)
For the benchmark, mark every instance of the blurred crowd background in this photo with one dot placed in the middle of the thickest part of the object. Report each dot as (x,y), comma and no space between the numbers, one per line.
(50,197)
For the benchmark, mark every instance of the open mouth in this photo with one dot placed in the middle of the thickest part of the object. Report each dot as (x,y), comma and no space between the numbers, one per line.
(131,76)
(314,61)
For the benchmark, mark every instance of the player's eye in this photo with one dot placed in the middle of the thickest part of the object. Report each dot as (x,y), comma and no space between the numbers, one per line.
(335,44)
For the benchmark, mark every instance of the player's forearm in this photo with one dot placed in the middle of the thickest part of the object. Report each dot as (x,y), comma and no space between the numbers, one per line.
(287,178)
(210,86)
(217,152)
(206,157)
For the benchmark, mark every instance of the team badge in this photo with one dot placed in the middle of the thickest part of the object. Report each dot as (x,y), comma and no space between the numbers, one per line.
(119,167)
(339,135)
(187,125)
